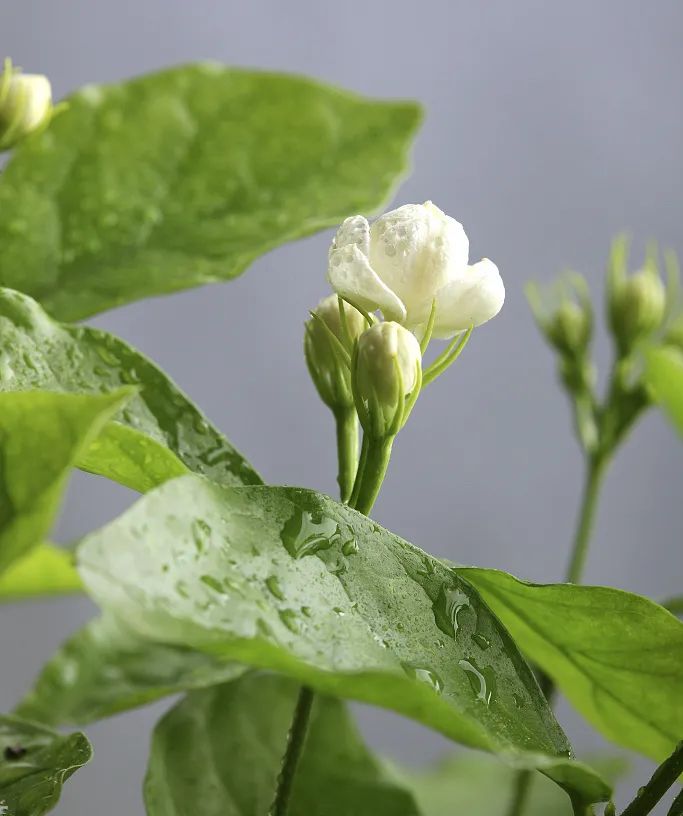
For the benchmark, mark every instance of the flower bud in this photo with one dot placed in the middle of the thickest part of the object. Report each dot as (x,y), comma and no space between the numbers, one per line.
(570,328)
(564,314)
(328,344)
(25,105)
(636,307)
(387,375)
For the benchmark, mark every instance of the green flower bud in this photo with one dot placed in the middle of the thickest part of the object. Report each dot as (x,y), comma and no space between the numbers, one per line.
(387,375)
(25,105)
(570,328)
(636,307)
(328,344)
(564,314)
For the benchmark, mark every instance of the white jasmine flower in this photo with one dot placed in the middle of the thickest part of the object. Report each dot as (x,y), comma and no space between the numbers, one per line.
(407,260)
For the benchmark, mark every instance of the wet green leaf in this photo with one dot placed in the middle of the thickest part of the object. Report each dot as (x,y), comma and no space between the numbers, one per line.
(664,375)
(476,785)
(184,177)
(223,747)
(287,579)
(105,668)
(617,657)
(45,570)
(35,762)
(42,435)
(158,435)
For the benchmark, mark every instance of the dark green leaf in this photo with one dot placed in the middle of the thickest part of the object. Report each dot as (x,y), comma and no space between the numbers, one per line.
(158,435)
(468,784)
(664,375)
(366,615)
(35,762)
(41,436)
(222,747)
(184,177)
(105,668)
(617,657)
(45,570)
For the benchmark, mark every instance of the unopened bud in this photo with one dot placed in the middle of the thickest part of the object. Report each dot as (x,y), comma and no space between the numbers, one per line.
(328,345)
(564,314)
(387,375)
(636,307)
(25,105)
(570,328)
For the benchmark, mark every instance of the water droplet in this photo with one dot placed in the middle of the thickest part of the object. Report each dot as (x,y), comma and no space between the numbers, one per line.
(213,583)
(518,701)
(274,588)
(449,603)
(350,547)
(338,611)
(483,681)
(201,534)
(481,641)
(306,610)
(308,533)
(201,426)
(107,355)
(337,564)
(424,675)
(182,590)
(290,620)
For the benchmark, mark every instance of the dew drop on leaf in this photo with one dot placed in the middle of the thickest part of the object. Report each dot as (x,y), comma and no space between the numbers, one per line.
(482,680)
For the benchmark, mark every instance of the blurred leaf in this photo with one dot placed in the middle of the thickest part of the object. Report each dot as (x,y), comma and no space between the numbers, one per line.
(105,668)
(616,656)
(34,765)
(41,436)
(184,177)
(45,570)
(366,615)
(158,435)
(223,747)
(477,785)
(664,375)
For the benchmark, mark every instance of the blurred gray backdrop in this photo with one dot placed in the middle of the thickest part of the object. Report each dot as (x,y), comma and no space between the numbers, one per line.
(550,127)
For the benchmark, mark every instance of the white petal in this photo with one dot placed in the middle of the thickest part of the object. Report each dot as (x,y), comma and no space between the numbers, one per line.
(353,278)
(354,230)
(470,300)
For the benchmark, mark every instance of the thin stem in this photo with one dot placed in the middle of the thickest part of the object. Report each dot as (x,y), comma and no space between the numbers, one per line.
(293,751)
(346,422)
(595,470)
(676,808)
(662,779)
(359,473)
(376,463)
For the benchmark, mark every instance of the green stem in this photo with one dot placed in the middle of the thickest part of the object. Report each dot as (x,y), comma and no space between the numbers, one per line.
(346,421)
(676,808)
(293,751)
(595,471)
(375,467)
(662,779)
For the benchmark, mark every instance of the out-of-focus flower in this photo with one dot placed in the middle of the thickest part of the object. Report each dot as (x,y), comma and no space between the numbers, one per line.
(25,104)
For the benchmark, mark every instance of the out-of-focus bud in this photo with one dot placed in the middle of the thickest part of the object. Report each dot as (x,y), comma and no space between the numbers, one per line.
(25,105)
(568,324)
(328,343)
(387,376)
(636,307)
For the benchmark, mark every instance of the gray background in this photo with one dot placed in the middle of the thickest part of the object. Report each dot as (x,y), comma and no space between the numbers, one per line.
(550,126)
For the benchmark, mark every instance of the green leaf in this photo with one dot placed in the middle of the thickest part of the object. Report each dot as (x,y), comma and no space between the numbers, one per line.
(184,177)
(41,436)
(105,668)
(664,375)
(158,435)
(476,785)
(616,656)
(365,616)
(45,570)
(35,762)
(223,747)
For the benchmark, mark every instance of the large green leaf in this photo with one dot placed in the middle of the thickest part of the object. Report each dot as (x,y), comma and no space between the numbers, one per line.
(184,177)
(366,615)
(223,747)
(105,668)
(617,657)
(35,762)
(664,375)
(158,435)
(45,570)
(468,784)
(42,435)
